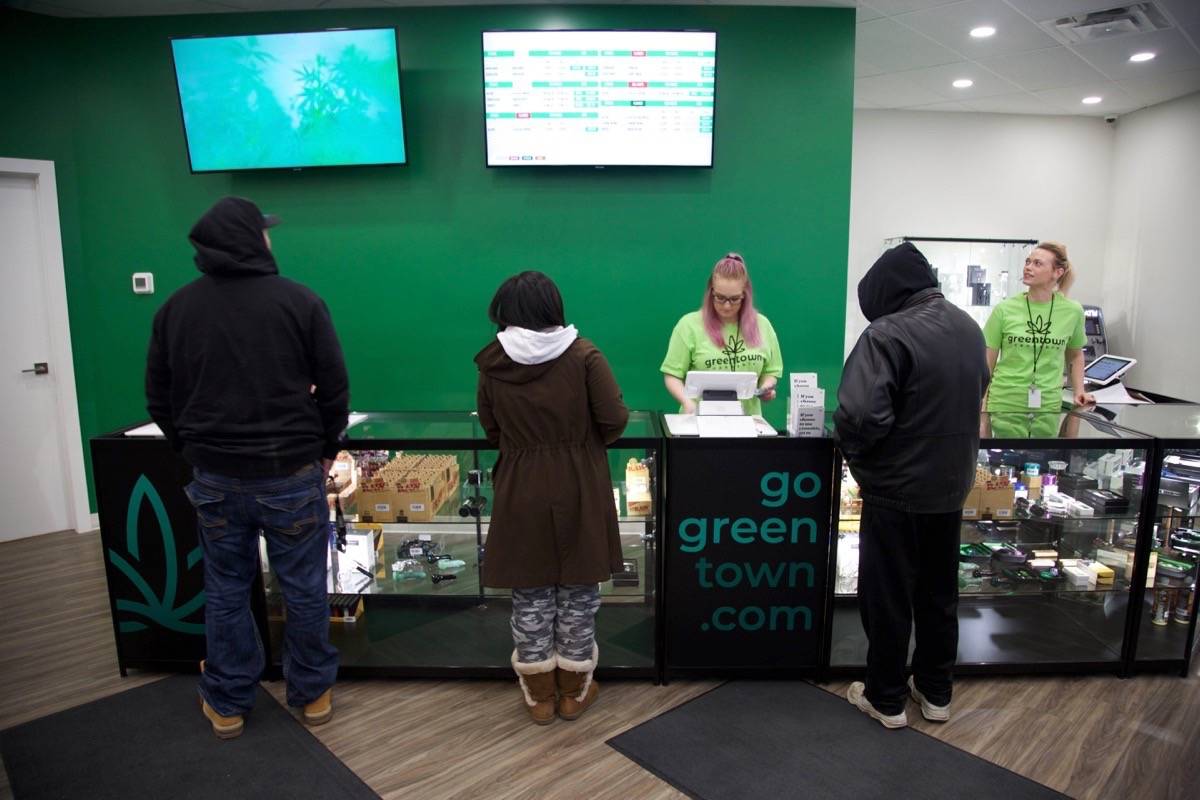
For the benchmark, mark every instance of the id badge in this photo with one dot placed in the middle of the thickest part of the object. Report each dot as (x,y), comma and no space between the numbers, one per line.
(1035,397)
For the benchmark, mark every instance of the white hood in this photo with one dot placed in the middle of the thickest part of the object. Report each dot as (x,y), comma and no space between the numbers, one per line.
(536,347)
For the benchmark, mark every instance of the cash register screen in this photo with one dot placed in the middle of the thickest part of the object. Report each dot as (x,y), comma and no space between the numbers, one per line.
(1105,367)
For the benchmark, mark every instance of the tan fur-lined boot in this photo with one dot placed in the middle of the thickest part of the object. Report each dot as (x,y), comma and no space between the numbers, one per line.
(536,679)
(576,688)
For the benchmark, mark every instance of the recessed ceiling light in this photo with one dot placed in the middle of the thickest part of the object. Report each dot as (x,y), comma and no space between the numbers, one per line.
(963,83)
(1091,101)
(1141,56)
(983,31)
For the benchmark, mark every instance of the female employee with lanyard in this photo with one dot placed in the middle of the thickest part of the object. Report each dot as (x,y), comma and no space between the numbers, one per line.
(727,333)
(1029,338)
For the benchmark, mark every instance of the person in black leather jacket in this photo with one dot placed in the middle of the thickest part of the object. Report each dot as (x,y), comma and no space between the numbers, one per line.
(908,425)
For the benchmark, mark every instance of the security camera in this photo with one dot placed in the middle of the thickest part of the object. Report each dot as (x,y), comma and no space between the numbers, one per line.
(1110,119)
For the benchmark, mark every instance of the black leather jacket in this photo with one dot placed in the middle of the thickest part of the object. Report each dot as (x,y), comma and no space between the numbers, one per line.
(908,404)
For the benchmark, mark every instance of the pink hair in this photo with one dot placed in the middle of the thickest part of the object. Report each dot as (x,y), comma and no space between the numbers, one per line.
(732,267)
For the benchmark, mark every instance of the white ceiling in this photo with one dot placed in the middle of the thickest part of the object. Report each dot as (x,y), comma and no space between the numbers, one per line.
(908,51)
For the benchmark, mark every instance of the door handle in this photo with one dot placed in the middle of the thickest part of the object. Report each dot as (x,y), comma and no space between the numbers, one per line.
(39,368)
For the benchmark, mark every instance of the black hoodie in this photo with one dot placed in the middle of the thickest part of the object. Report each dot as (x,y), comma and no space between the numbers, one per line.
(234,354)
(908,404)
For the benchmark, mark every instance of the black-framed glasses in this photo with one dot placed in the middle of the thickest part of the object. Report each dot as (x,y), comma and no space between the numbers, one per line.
(728,301)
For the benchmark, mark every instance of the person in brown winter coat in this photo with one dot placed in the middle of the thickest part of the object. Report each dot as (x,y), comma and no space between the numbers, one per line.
(548,399)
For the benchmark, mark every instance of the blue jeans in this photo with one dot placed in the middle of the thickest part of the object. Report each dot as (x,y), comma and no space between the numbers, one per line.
(292,514)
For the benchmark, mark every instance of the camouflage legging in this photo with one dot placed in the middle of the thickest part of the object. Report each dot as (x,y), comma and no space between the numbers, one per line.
(549,618)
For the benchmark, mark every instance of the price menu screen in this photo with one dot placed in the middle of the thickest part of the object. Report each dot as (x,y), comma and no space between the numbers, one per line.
(599,98)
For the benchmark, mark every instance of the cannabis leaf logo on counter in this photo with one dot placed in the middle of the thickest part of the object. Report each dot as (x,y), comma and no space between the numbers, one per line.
(156,609)
(735,347)
(1037,327)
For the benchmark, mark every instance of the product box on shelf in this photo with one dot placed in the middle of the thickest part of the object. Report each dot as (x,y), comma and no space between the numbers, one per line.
(1074,484)
(637,489)
(411,487)
(1104,575)
(997,498)
(1179,493)
(1034,485)
(973,505)
(1103,501)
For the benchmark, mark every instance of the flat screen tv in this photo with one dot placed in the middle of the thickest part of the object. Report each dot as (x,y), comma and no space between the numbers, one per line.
(599,98)
(290,100)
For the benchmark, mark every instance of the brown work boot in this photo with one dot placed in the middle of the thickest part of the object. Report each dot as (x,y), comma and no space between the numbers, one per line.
(223,727)
(319,711)
(536,679)
(576,688)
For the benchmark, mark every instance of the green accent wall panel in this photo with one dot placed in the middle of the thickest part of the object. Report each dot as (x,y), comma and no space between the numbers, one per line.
(408,257)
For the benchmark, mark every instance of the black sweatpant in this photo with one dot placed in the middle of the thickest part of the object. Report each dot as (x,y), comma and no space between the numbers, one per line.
(908,571)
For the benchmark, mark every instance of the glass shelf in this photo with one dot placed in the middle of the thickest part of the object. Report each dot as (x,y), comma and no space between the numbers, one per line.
(415,425)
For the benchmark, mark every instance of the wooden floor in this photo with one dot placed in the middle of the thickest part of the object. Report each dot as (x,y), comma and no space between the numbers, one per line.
(1094,737)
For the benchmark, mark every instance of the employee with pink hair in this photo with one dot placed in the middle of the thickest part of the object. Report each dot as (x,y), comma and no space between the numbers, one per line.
(726,333)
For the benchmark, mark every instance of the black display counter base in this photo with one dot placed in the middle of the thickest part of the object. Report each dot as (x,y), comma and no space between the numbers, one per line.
(1161,648)
(1007,634)
(398,638)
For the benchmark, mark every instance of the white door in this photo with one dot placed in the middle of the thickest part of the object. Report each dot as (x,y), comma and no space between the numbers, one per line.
(37,493)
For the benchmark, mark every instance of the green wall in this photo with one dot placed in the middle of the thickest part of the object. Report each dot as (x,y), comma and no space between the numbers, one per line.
(408,257)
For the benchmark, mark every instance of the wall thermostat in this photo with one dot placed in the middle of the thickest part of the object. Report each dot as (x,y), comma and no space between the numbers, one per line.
(143,283)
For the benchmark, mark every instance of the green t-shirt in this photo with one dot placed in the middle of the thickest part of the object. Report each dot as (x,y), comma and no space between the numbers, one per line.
(692,349)
(1020,332)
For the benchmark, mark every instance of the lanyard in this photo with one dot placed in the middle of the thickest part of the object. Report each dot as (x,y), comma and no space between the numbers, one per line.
(1037,351)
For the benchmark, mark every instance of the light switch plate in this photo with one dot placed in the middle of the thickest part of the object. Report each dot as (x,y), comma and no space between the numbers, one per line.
(143,283)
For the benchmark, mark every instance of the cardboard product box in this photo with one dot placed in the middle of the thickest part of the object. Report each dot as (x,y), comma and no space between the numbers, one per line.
(1104,575)
(973,505)
(361,550)
(982,476)
(638,502)
(344,473)
(1034,483)
(446,465)
(1117,559)
(1179,493)
(408,497)
(997,500)
(1073,483)
(1079,577)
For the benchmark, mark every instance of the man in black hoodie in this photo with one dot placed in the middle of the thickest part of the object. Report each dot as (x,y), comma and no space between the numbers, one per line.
(245,377)
(908,425)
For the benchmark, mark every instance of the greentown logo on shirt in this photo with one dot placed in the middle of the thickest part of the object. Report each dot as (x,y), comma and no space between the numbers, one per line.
(1039,334)
(161,610)
(735,356)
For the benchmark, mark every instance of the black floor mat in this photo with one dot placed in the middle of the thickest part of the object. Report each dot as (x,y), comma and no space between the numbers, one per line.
(791,739)
(153,741)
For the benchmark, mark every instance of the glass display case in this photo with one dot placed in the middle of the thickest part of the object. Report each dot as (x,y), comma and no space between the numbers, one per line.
(1048,554)
(974,274)
(1165,630)
(411,495)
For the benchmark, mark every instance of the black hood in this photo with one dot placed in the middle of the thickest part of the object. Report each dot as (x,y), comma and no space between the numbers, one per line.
(229,239)
(898,274)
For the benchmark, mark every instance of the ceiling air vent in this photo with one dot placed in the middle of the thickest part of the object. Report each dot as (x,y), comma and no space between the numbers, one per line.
(1100,25)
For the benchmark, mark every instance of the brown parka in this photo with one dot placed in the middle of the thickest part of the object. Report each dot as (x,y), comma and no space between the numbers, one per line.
(553,517)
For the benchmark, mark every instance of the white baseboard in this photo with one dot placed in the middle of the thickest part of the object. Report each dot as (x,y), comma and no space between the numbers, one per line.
(93,524)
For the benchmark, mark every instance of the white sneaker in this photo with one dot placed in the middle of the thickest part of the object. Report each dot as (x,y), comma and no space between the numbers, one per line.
(856,695)
(928,710)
